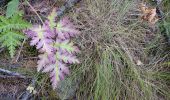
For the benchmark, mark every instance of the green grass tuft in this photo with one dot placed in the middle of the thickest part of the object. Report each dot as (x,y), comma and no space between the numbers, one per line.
(112,43)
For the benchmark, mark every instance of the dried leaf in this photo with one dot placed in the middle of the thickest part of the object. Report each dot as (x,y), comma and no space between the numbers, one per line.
(148,14)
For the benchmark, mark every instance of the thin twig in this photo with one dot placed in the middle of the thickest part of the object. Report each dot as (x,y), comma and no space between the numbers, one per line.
(35,12)
(20,50)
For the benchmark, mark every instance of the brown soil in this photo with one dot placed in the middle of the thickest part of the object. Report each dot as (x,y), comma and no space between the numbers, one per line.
(12,87)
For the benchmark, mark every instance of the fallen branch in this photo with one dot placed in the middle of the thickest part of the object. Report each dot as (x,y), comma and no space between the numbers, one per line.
(10,65)
(9,73)
(35,12)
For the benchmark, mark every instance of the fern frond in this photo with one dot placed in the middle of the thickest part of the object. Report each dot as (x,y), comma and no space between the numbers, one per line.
(10,35)
(66,57)
(43,61)
(66,45)
(11,40)
(58,73)
(14,23)
(41,38)
(51,19)
(54,75)
(65,29)
(53,39)
(12,8)
(57,70)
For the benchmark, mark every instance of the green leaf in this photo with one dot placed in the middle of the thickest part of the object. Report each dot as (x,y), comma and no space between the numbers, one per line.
(12,8)
(10,32)
(11,40)
(66,45)
(15,22)
(51,18)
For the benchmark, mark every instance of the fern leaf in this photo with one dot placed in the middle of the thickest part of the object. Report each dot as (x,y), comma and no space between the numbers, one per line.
(54,76)
(10,36)
(11,40)
(59,72)
(12,23)
(66,57)
(51,19)
(43,61)
(12,8)
(53,40)
(65,29)
(41,39)
(4,20)
(66,45)
(57,69)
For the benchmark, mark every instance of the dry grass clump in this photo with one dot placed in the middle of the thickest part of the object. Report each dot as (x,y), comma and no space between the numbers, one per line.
(115,59)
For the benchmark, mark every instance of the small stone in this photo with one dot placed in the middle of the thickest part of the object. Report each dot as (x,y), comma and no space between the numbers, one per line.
(139,63)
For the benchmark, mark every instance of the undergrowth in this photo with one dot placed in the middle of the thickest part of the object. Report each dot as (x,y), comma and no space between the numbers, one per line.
(116,63)
(121,58)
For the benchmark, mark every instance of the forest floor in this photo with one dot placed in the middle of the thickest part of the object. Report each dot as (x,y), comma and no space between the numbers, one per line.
(122,57)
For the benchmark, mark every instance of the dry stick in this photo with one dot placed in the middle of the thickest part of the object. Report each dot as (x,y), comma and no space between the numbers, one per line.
(20,50)
(35,12)
(11,73)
